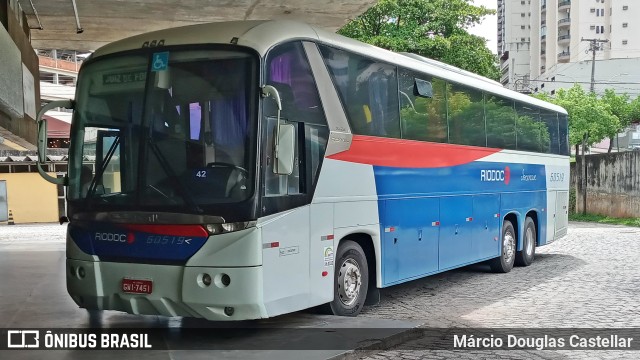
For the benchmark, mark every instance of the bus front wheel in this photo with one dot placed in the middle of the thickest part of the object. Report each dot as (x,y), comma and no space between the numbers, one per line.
(351,280)
(504,263)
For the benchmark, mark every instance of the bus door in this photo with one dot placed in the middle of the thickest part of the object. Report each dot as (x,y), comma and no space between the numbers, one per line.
(294,270)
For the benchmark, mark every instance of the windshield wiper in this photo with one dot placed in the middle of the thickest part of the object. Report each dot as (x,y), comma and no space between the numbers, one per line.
(177,185)
(94,183)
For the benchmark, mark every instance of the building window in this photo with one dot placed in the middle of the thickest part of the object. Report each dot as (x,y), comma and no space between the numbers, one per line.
(592,27)
(601,29)
(522,14)
(522,26)
(624,42)
(624,25)
(625,7)
(593,10)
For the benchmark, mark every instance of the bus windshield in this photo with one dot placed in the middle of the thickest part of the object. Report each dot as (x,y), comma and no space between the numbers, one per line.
(165,128)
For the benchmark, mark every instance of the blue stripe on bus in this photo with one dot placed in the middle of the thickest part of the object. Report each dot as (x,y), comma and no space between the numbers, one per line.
(128,242)
(436,219)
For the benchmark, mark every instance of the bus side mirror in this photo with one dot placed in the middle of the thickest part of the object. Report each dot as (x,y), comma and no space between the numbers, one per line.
(284,152)
(423,88)
(42,139)
(284,147)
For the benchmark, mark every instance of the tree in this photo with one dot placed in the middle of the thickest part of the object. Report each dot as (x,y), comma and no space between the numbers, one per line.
(432,28)
(620,107)
(590,118)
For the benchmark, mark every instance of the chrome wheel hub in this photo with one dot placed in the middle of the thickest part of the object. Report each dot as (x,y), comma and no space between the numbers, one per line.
(349,281)
(508,247)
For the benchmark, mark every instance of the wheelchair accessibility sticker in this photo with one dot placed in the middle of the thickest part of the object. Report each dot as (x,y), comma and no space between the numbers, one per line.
(160,61)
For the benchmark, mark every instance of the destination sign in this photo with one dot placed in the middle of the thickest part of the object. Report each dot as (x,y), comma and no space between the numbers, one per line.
(124,78)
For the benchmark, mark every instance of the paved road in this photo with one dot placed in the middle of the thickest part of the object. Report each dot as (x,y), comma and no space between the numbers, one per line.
(591,278)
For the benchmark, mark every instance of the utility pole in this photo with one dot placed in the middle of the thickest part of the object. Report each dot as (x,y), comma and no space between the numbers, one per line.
(594,45)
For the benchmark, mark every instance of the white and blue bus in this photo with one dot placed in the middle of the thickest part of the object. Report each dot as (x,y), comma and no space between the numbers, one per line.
(248,169)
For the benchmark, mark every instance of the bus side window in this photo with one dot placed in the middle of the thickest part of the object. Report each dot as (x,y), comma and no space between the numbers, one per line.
(423,118)
(288,70)
(368,91)
(465,110)
(501,122)
(563,127)
(550,144)
(532,134)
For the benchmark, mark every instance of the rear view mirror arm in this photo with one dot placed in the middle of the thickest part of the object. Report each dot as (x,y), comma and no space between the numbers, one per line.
(41,125)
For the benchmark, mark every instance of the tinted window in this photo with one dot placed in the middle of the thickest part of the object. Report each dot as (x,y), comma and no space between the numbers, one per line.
(368,91)
(288,70)
(550,120)
(532,135)
(501,122)
(465,108)
(563,127)
(423,118)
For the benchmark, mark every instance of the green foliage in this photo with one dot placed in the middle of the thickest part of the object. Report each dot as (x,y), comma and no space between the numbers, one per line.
(432,28)
(533,135)
(605,219)
(587,115)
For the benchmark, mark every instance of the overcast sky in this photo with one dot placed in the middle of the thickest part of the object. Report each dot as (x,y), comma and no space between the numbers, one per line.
(489,27)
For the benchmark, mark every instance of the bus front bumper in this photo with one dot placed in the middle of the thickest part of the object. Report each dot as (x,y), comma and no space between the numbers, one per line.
(175,290)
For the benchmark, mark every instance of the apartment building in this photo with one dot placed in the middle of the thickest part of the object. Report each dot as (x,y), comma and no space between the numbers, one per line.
(541,47)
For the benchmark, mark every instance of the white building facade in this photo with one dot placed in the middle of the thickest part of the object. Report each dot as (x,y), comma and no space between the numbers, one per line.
(541,47)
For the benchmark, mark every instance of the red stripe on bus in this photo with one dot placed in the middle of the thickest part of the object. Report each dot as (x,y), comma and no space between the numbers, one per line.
(170,230)
(409,153)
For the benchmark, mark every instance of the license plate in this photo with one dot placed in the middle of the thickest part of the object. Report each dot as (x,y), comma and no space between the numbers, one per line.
(134,286)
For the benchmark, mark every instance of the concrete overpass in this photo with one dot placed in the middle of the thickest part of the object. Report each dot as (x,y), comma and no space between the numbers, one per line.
(88,24)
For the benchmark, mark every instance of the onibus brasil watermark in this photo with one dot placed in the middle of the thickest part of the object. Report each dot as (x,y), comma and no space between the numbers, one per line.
(40,339)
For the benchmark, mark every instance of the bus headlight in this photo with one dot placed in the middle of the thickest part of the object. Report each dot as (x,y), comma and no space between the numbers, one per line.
(215,229)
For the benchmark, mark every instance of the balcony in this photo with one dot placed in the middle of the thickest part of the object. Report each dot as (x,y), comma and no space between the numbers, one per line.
(564,23)
(543,8)
(564,5)
(543,54)
(542,69)
(543,38)
(543,22)
(564,56)
(564,39)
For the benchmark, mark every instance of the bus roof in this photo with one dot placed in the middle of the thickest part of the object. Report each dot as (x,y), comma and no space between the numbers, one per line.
(262,35)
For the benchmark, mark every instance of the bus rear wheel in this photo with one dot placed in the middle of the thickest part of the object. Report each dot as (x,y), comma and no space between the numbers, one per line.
(504,262)
(529,239)
(351,280)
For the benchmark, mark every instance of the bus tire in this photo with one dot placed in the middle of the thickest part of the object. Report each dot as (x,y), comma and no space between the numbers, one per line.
(351,280)
(529,239)
(504,262)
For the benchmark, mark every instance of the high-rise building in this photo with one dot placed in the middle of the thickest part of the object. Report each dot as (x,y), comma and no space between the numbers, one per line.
(542,47)
(514,43)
